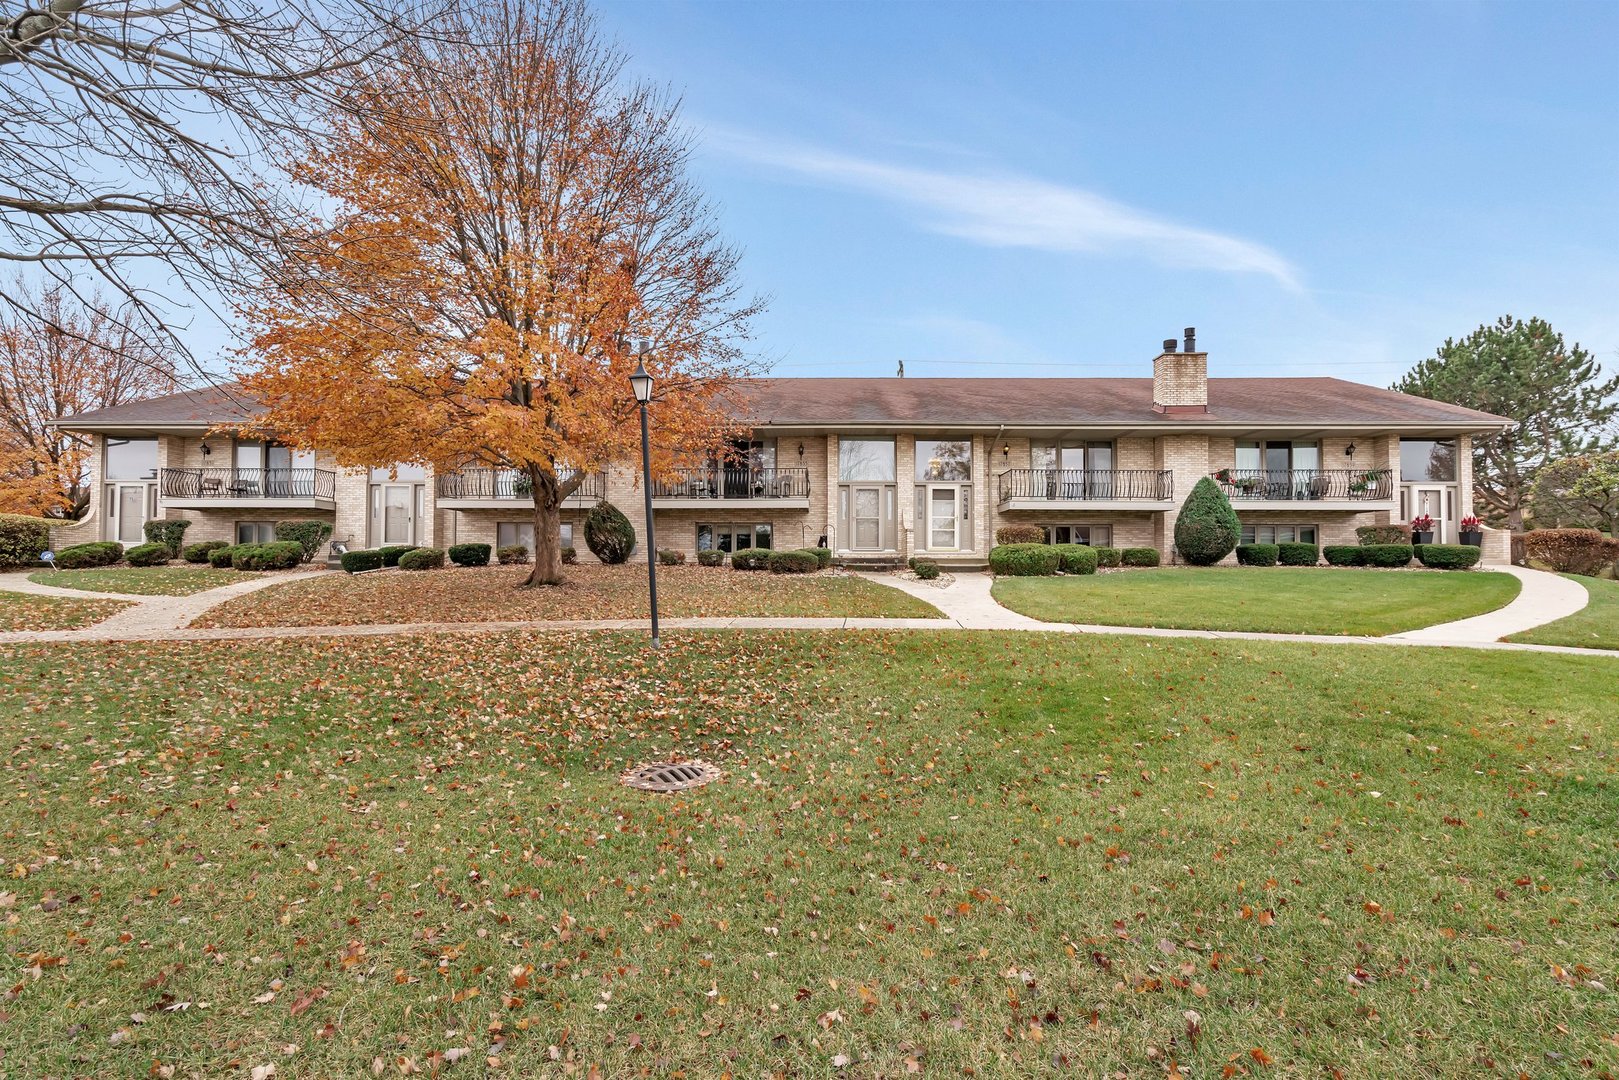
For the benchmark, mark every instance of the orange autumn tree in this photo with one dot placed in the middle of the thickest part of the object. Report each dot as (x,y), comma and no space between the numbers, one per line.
(512,223)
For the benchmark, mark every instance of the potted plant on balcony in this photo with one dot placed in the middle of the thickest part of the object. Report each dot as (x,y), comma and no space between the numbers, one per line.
(1223,477)
(1363,484)
(1422,529)
(522,485)
(1472,531)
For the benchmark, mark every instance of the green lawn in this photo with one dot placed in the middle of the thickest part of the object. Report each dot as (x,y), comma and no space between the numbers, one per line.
(142,581)
(1011,853)
(1595,626)
(1286,600)
(22,611)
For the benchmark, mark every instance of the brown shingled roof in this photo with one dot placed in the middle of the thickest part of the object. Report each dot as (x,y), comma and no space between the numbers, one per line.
(897,402)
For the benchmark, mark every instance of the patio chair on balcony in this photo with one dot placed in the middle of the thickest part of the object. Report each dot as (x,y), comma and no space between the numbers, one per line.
(1319,487)
(211,487)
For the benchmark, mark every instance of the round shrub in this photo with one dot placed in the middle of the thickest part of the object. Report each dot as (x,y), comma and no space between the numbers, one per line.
(1383,534)
(358,562)
(1387,555)
(569,555)
(926,569)
(1142,556)
(422,559)
(469,554)
(170,532)
(750,559)
(1344,555)
(1571,551)
(1207,529)
(609,534)
(1298,554)
(711,558)
(1024,560)
(1257,554)
(22,538)
(154,554)
(793,562)
(512,554)
(220,558)
(309,535)
(671,557)
(391,552)
(822,555)
(1076,558)
(1107,557)
(198,553)
(279,555)
(1020,534)
(1448,556)
(85,556)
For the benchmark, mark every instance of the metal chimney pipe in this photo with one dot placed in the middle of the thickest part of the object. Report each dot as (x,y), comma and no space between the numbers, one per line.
(1170,344)
(1191,339)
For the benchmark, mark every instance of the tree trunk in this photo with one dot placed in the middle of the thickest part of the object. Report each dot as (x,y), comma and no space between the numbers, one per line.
(547,541)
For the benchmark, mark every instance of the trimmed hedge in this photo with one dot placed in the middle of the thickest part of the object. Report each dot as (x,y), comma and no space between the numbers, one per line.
(1295,553)
(1020,534)
(1388,555)
(1076,558)
(220,558)
(153,554)
(358,562)
(199,552)
(1383,534)
(1258,554)
(170,532)
(422,559)
(512,555)
(926,569)
(1139,557)
(469,554)
(1344,555)
(277,555)
(711,558)
(1024,560)
(309,535)
(750,559)
(609,534)
(390,553)
(1571,551)
(793,562)
(85,556)
(1107,557)
(670,557)
(1448,556)
(822,556)
(22,538)
(1207,529)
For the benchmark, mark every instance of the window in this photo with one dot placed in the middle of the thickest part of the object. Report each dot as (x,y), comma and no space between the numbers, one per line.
(1278,534)
(1092,535)
(407,474)
(866,459)
(1278,456)
(255,532)
(729,537)
(131,459)
(1427,459)
(1085,456)
(513,533)
(944,460)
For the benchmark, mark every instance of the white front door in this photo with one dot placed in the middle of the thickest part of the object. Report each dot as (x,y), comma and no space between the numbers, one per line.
(944,516)
(127,507)
(1433,501)
(398,514)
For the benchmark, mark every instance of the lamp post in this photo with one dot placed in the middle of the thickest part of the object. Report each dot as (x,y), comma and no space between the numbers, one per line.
(641,384)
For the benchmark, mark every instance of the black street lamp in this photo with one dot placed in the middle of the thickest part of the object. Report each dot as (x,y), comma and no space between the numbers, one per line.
(641,383)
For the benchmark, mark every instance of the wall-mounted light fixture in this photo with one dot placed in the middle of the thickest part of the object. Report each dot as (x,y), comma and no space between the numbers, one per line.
(1006,451)
(1349,451)
(800,451)
(206,449)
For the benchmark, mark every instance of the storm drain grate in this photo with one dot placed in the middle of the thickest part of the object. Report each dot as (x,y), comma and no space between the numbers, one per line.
(665,776)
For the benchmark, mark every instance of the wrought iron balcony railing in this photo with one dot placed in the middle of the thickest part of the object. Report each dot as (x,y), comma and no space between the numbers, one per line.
(738,482)
(507,484)
(1294,485)
(225,484)
(1153,485)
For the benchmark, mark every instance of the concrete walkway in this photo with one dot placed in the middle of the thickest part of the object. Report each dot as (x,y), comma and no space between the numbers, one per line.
(148,615)
(1544,598)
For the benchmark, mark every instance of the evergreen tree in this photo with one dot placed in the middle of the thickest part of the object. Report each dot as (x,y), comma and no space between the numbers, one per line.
(1207,529)
(1521,370)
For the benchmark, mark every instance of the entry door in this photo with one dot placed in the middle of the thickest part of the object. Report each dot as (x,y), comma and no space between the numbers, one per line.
(128,513)
(944,517)
(1431,501)
(867,514)
(398,514)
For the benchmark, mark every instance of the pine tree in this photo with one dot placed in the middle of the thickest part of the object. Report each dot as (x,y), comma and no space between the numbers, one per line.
(1207,529)
(1521,370)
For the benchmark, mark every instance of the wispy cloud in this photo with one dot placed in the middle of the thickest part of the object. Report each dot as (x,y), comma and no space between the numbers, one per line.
(999,209)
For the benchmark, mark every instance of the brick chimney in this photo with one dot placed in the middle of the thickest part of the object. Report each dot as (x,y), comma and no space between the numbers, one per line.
(1180,378)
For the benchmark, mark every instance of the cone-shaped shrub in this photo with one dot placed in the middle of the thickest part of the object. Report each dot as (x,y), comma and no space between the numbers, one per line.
(609,534)
(1207,529)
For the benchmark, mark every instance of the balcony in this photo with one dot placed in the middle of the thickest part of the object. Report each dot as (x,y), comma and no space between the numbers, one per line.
(738,485)
(499,489)
(1092,489)
(199,489)
(1323,489)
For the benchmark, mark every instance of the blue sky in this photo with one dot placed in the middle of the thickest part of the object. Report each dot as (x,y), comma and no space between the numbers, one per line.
(1043,189)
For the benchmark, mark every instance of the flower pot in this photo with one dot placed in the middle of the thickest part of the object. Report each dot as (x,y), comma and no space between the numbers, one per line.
(1472,538)
(1422,537)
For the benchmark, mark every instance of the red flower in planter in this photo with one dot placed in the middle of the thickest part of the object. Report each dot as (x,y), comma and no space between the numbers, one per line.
(1424,523)
(1471,523)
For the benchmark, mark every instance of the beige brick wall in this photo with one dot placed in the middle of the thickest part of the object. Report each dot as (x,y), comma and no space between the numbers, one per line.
(1186,456)
(1180,379)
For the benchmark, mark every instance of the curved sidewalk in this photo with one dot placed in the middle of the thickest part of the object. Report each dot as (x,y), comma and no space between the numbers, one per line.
(1544,598)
